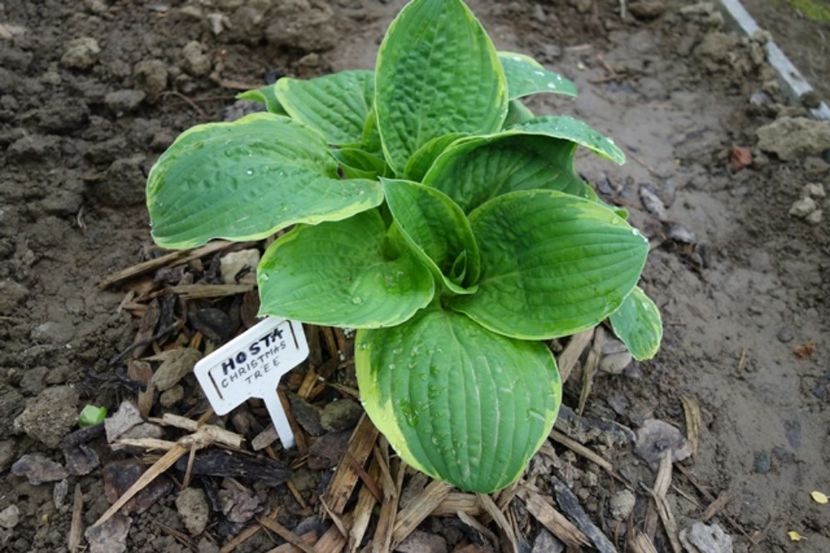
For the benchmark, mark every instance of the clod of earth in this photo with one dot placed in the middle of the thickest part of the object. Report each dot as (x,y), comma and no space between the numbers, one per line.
(655,437)
(793,138)
(50,415)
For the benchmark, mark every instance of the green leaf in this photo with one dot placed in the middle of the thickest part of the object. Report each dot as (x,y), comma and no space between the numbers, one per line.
(336,105)
(91,415)
(436,227)
(526,76)
(344,273)
(422,160)
(265,96)
(473,170)
(246,180)
(638,324)
(456,401)
(568,128)
(437,73)
(517,113)
(358,163)
(552,264)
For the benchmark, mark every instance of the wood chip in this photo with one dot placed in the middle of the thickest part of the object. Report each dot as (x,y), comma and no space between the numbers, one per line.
(691,409)
(206,291)
(286,534)
(661,486)
(264,438)
(418,509)
(382,541)
(591,364)
(478,527)
(572,352)
(76,528)
(333,541)
(582,451)
(715,507)
(456,502)
(242,537)
(542,510)
(308,538)
(492,509)
(640,543)
(171,259)
(363,510)
(569,503)
(345,476)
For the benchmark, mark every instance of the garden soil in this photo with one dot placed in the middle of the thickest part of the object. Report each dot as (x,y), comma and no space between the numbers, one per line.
(92,92)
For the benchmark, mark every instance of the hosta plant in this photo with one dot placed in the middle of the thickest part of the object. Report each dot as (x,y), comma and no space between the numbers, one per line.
(433,212)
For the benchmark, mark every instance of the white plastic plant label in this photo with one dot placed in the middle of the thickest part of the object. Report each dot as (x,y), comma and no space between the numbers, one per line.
(251,365)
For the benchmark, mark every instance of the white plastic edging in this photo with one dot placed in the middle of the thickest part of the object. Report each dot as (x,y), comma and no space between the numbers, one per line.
(787,72)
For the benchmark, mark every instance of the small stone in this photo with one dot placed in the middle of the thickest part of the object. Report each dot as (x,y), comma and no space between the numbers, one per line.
(193,509)
(621,504)
(109,537)
(9,517)
(813,190)
(38,469)
(706,538)
(423,542)
(815,217)
(123,183)
(340,415)
(195,61)
(151,77)
(142,431)
(237,504)
(307,415)
(327,450)
(81,459)
(7,453)
(785,335)
(545,542)
(655,437)
(239,267)
(647,9)
(803,207)
(122,420)
(49,416)
(681,234)
(124,101)
(615,357)
(11,294)
(81,53)
(171,397)
(762,462)
(651,201)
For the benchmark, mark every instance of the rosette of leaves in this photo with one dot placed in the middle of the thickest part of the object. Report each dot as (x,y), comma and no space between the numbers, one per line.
(433,212)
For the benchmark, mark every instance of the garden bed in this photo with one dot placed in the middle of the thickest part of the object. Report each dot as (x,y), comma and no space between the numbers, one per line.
(742,285)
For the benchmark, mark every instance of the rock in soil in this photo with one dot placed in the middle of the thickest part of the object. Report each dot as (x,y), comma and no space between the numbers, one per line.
(124,101)
(423,542)
(815,217)
(647,9)
(813,190)
(545,542)
(38,469)
(803,207)
(151,77)
(9,517)
(49,416)
(706,539)
(7,452)
(11,294)
(795,137)
(340,415)
(196,62)
(109,537)
(655,437)
(122,420)
(192,507)
(80,459)
(621,504)
(328,449)
(238,505)
(615,357)
(123,183)
(81,53)
(239,267)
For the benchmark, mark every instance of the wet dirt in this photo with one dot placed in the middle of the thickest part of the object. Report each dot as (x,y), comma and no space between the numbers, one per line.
(741,304)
